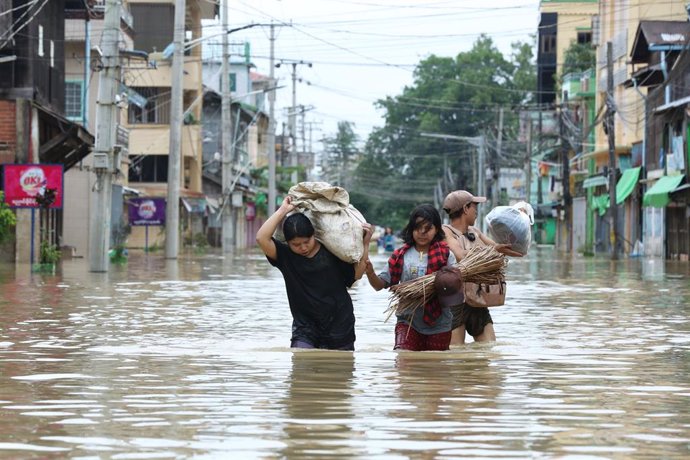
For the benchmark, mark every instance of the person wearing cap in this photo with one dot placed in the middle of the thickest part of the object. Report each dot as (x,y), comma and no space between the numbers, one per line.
(462,235)
(424,251)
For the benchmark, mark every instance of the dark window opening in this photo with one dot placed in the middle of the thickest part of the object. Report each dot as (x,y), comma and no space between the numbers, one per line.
(148,168)
(584,37)
(548,44)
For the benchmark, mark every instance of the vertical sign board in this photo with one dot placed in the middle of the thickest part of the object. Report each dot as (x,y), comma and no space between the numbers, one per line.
(26,184)
(146,211)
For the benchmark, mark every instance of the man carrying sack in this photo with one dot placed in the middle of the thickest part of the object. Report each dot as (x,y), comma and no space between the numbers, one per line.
(472,315)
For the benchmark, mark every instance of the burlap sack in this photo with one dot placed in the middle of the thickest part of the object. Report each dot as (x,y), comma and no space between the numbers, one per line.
(337,224)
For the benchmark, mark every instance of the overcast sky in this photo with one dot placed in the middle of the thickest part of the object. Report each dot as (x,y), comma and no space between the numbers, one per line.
(364,50)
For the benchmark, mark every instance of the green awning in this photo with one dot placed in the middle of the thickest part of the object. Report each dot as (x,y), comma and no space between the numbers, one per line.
(594,181)
(626,184)
(657,196)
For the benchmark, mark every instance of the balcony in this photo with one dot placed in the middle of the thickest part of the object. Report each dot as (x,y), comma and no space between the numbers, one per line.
(149,139)
(158,73)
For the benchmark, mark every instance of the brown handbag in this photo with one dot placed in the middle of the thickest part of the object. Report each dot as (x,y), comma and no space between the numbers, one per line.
(482,295)
(485,295)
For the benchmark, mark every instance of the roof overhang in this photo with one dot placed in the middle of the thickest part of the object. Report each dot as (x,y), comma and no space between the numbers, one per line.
(61,141)
(654,36)
(673,104)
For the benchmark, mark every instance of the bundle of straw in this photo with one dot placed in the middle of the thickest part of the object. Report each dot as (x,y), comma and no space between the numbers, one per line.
(481,265)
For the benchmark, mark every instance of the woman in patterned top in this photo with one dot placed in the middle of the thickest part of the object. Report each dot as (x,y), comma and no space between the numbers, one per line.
(424,251)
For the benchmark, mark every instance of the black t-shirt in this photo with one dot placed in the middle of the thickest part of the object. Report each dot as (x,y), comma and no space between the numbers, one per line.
(316,288)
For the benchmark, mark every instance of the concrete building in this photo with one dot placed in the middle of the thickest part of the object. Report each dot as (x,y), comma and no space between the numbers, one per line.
(83,40)
(33,125)
(148,121)
(617,23)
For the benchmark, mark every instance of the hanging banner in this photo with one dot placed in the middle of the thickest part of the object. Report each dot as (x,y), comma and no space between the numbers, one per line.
(146,211)
(33,185)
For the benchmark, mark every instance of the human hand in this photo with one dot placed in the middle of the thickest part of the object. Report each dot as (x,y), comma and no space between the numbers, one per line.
(368,232)
(286,206)
(507,249)
(369,267)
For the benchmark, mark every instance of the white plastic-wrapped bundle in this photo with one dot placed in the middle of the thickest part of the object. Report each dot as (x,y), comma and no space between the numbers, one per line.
(510,225)
(337,224)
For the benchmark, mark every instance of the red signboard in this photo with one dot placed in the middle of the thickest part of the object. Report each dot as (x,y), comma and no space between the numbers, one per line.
(33,185)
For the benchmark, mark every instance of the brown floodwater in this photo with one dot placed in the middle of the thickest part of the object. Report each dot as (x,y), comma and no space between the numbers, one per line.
(189,358)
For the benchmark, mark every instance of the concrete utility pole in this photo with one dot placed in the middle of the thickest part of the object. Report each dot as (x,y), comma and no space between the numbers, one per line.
(104,157)
(172,208)
(227,222)
(272,131)
(565,177)
(528,161)
(293,128)
(610,130)
(292,116)
(496,168)
(481,187)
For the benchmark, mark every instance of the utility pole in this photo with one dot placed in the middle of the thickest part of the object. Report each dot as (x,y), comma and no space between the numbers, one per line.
(610,130)
(227,223)
(293,128)
(480,178)
(528,161)
(172,208)
(104,157)
(565,177)
(292,116)
(496,169)
(272,132)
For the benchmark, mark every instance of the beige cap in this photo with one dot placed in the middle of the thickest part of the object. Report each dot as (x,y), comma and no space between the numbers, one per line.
(458,199)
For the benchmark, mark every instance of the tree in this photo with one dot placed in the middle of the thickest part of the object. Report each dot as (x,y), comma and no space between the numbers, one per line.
(340,153)
(578,58)
(457,96)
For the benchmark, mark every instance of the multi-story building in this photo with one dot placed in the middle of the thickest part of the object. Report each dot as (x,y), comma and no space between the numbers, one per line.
(84,22)
(248,135)
(617,23)
(562,24)
(662,68)
(33,125)
(148,121)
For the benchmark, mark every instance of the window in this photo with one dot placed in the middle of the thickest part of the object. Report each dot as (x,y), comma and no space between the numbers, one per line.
(548,44)
(148,168)
(584,37)
(74,95)
(233,82)
(156,110)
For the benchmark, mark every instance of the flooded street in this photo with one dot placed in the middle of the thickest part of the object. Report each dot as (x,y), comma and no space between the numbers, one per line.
(190,358)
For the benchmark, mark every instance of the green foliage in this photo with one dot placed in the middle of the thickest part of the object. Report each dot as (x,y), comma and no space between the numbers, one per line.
(578,58)
(7,220)
(199,240)
(49,253)
(340,152)
(457,96)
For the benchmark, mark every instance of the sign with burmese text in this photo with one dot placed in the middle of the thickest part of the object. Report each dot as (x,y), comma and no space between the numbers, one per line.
(146,211)
(33,185)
